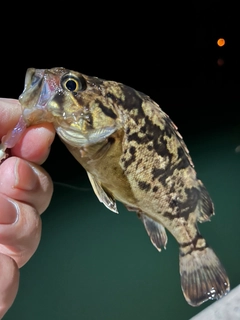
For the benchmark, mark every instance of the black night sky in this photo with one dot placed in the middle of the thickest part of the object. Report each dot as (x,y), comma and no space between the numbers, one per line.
(169,52)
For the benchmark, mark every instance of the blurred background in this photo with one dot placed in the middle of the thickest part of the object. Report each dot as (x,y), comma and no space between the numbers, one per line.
(91,263)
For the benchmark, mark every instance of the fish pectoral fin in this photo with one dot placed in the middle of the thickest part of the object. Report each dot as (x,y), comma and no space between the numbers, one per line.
(102,196)
(98,135)
(206,207)
(155,231)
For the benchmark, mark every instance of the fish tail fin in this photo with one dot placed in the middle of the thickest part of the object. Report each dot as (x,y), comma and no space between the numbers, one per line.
(202,275)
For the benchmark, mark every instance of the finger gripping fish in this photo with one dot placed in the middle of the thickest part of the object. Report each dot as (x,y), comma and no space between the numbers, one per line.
(132,153)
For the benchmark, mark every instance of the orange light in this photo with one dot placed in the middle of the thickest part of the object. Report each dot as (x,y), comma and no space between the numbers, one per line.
(221,42)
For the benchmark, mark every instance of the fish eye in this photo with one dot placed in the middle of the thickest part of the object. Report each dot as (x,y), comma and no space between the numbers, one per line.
(73,84)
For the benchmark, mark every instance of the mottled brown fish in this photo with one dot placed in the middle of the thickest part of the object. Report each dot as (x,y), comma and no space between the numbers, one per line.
(132,153)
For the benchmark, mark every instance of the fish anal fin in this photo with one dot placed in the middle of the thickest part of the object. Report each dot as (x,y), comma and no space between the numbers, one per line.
(155,231)
(206,207)
(202,276)
(102,196)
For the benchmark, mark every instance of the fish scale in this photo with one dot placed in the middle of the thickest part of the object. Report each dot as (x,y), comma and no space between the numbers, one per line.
(133,153)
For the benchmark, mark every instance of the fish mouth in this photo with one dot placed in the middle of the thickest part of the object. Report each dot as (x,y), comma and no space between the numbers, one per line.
(34,106)
(78,139)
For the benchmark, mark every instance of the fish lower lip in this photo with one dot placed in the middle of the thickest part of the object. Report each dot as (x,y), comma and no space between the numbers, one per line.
(76,139)
(72,137)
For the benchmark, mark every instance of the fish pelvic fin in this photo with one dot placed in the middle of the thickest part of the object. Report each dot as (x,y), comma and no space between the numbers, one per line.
(202,276)
(102,196)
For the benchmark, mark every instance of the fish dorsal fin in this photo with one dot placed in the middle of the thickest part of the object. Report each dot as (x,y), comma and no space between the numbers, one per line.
(177,134)
(155,231)
(102,196)
(206,207)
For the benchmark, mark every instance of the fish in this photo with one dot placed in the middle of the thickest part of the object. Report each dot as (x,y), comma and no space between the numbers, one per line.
(133,153)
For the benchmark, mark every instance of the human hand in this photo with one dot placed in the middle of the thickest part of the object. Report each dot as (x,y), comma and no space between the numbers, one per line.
(25,192)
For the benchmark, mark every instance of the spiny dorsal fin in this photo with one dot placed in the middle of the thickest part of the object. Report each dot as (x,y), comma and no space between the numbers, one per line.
(174,129)
(155,231)
(180,138)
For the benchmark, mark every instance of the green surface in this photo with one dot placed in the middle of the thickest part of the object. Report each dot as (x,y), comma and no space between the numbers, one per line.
(93,264)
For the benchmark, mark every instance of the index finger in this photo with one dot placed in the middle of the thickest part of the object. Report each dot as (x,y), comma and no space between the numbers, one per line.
(34,144)
(10,110)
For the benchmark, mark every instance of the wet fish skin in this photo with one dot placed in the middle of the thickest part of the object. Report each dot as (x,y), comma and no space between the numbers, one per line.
(133,153)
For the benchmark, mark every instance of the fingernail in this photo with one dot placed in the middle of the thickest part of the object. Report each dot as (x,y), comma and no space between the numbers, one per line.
(9,211)
(25,176)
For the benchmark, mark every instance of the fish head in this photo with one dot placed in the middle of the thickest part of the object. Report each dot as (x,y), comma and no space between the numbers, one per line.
(76,104)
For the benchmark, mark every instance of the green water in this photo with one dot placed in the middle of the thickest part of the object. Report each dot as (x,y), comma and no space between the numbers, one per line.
(93,264)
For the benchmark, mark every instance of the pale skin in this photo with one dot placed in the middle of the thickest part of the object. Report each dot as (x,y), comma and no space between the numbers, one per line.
(25,193)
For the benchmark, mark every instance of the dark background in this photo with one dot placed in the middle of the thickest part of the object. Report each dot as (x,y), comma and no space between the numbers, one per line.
(92,264)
